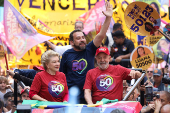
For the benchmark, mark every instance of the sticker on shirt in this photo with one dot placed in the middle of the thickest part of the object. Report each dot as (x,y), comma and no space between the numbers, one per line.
(55,89)
(116,49)
(79,65)
(124,48)
(105,82)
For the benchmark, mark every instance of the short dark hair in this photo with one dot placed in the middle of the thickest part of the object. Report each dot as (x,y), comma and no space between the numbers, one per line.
(167,94)
(19,95)
(156,5)
(137,51)
(116,26)
(1,104)
(146,28)
(118,34)
(7,95)
(71,34)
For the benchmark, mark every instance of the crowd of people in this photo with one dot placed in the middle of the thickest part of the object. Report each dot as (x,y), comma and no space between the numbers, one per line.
(88,67)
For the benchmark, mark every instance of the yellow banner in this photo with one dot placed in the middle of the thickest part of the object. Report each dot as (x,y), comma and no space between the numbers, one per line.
(152,40)
(60,16)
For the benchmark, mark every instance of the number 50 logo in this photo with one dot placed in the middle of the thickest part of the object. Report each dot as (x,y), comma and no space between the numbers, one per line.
(104,83)
(107,82)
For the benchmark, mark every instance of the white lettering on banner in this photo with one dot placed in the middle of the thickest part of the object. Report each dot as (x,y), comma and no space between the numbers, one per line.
(12,28)
(14,25)
(99,11)
(127,107)
(9,15)
(57,88)
(11,24)
(92,16)
(95,13)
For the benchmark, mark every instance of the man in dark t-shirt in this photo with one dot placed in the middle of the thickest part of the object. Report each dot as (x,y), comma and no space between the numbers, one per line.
(77,61)
(121,48)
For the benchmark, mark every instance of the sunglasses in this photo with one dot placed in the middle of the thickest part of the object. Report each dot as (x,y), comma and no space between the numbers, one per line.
(150,71)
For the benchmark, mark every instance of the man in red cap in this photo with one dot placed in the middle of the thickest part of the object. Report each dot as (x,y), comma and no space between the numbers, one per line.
(106,81)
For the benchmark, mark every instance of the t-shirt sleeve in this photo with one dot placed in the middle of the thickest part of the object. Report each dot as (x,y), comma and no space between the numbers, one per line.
(88,81)
(62,64)
(36,85)
(91,47)
(131,47)
(124,72)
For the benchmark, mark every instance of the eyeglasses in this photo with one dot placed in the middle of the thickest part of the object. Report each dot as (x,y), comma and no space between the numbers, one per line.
(150,71)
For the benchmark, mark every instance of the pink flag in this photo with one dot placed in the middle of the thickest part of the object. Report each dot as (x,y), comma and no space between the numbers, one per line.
(93,16)
(20,34)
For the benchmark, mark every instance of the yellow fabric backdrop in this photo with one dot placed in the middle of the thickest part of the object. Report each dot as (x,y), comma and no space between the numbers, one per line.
(60,16)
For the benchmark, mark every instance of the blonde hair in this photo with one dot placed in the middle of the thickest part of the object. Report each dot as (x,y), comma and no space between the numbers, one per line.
(2,78)
(45,57)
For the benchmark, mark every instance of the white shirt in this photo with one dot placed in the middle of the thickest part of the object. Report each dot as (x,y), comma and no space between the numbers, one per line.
(62,49)
(2,94)
(110,40)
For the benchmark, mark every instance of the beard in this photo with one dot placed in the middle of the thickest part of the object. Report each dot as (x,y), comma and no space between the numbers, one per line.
(103,65)
(80,47)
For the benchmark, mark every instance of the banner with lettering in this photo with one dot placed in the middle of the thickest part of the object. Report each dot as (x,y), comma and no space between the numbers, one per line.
(142,19)
(152,40)
(33,56)
(142,57)
(162,9)
(20,35)
(93,16)
(69,10)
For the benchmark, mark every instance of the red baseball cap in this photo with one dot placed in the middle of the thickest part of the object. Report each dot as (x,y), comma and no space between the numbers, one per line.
(38,68)
(102,50)
(22,91)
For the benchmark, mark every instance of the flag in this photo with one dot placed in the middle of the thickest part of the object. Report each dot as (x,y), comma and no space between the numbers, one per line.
(60,107)
(93,16)
(20,34)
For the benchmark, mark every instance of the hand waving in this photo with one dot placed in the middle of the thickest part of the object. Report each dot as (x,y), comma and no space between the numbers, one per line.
(109,10)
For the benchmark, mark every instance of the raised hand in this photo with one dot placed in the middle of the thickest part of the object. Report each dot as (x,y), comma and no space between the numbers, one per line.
(11,73)
(109,10)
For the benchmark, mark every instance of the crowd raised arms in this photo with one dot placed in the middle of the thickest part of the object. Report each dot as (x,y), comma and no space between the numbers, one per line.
(87,66)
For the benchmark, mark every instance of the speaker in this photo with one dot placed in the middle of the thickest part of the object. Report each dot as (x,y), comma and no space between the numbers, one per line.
(26,108)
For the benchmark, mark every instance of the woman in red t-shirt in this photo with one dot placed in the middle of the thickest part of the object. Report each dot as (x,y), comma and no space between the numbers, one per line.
(49,85)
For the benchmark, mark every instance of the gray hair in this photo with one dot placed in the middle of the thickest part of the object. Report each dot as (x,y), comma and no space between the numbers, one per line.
(79,22)
(45,57)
